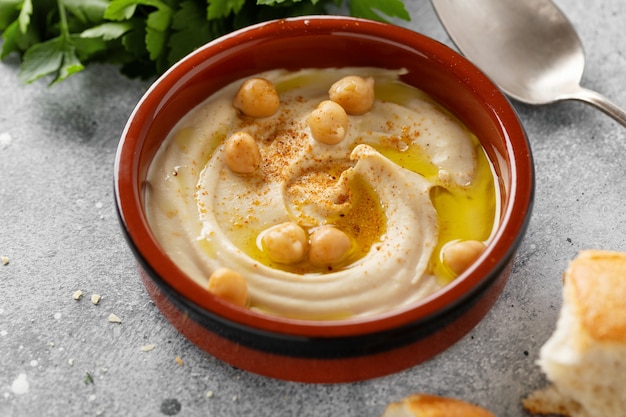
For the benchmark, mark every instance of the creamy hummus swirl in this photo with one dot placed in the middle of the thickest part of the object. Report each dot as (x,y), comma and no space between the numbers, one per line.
(206,216)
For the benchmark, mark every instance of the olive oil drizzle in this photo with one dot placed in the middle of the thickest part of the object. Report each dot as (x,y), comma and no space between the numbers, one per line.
(464,212)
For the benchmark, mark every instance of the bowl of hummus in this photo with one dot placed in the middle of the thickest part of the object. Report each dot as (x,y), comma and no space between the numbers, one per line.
(324,199)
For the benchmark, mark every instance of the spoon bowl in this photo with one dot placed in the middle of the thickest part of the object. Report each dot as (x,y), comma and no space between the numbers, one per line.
(529,48)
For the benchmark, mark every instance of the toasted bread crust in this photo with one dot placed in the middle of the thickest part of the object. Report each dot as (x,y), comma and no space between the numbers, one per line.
(595,285)
(550,401)
(426,405)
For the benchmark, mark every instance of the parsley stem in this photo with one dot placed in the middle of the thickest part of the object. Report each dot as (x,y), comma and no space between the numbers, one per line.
(64,27)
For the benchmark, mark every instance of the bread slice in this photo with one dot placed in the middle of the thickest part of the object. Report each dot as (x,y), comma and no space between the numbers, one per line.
(425,405)
(585,358)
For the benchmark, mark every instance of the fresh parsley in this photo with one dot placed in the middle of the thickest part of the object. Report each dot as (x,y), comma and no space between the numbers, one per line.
(88,379)
(58,38)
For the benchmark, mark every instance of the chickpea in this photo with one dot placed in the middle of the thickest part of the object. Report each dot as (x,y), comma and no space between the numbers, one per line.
(459,256)
(328,123)
(229,285)
(354,94)
(257,97)
(242,153)
(286,243)
(328,246)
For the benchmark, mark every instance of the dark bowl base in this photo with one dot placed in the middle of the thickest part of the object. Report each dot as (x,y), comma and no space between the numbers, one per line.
(324,370)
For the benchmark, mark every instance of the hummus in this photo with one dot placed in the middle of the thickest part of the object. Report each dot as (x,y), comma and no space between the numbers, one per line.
(407,179)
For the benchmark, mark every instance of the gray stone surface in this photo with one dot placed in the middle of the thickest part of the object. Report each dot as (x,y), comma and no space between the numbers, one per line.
(59,230)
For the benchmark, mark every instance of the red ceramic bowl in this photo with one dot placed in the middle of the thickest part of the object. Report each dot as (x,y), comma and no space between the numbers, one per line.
(347,349)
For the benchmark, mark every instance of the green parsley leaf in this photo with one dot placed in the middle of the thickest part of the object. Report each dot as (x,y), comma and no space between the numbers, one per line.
(88,48)
(135,59)
(156,33)
(134,41)
(222,8)
(9,10)
(120,10)
(107,31)
(283,2)
(263,10)
(125,9)
(88,379)
(87,10)
(189,30)
(24,17)
(372,9)
(16,41)
(160,19)
(70,65)
(56,56)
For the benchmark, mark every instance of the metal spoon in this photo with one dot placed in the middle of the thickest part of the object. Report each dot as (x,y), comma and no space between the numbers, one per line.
(529,48)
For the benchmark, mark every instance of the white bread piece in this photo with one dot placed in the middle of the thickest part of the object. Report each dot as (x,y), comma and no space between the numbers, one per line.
(585,358)
(426,405)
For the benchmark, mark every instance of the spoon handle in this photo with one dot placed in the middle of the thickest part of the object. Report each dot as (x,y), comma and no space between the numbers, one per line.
(602,103)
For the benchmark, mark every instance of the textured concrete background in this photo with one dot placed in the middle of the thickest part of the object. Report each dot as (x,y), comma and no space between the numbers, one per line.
(61,357)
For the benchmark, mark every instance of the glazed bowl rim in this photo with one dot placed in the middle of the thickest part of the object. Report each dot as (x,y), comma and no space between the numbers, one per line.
(492,262)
